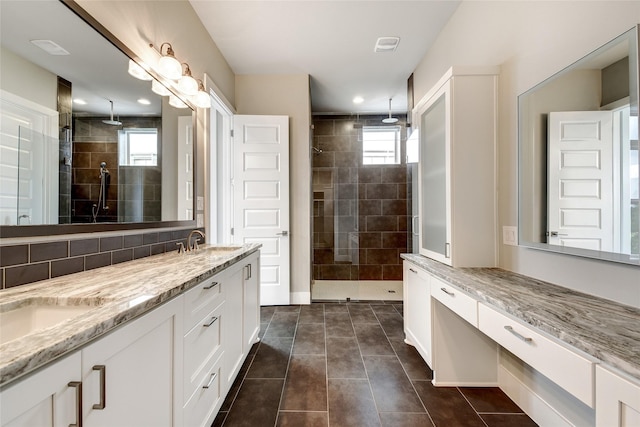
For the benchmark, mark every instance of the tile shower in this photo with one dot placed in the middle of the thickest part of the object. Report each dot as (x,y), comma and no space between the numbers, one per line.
(361,212)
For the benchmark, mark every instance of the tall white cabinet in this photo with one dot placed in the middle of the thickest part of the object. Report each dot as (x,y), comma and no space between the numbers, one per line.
(457,173)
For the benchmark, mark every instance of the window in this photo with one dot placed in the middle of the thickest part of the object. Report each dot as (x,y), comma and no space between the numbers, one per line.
(381,145)
(138,147)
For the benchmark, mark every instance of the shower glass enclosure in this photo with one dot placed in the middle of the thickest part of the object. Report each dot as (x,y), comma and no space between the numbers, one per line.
(360,208)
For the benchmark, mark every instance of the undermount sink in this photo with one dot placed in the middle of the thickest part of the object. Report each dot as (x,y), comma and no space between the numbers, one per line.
(220,250)
(35,315)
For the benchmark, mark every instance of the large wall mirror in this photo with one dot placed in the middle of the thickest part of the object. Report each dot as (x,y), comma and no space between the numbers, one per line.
(83,142)
(578,157)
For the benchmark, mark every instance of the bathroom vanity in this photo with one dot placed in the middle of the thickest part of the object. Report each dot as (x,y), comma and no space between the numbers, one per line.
(473,325)
(157,341)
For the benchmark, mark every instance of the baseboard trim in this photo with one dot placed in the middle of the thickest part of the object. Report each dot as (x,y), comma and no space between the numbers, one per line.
(300,297)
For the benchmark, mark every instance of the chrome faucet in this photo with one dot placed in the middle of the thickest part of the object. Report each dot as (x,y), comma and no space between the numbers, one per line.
(195,244)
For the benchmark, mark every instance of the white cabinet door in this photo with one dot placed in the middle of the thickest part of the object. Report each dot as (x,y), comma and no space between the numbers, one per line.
(47,398)
(457,173)
(617,400)
(231,324)
(251,306)
(129,374)
(417,310)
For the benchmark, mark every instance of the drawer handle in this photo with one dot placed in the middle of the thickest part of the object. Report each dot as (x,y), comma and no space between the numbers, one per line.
(78,387)
(212,285)
(103,386)
(447,291)
(413,271)
(520,336)
(213,377)
(211,322)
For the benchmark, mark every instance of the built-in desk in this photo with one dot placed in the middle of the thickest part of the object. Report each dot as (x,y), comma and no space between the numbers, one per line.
(588,347)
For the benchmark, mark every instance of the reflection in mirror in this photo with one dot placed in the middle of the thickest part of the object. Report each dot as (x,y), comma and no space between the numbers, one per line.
(578,157)
(82,140)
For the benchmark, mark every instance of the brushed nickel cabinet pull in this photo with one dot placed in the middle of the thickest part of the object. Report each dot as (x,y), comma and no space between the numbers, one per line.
(412,270)
(78,387)
(447,291)
(211,322)
(213,377)
(103,386)
(212,285)
(518,335)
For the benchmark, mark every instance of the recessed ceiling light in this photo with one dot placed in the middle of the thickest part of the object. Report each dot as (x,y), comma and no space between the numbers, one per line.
(51,47)
(79,101)
(386,44)
(144,101)
(358,100)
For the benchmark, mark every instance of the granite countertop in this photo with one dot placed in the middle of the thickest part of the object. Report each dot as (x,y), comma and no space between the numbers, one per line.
(606,330)
(119,293)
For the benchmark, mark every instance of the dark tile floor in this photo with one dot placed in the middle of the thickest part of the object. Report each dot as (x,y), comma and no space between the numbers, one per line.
(347,365)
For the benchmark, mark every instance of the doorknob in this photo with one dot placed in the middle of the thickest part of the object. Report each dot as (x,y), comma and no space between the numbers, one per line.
(555,234)
(284,233)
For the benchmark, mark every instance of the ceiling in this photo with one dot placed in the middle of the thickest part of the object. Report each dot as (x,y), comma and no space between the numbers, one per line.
(96,68)
(332,41)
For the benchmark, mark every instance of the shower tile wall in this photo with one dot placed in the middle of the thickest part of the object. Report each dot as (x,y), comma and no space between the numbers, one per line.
(64,151)
(133,194)
(359,212)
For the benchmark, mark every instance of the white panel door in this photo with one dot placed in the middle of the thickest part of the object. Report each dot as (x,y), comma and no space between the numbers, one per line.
(28,162)
(185,168)
(580,184)
(261,198)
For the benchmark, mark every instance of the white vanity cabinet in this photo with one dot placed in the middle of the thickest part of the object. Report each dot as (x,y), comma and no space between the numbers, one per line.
(49,398)
(617,399)
(457,184)
(130,376)
(417,309)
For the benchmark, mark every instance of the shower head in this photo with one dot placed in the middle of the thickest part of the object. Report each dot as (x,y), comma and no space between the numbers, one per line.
(112,122)
(390,119)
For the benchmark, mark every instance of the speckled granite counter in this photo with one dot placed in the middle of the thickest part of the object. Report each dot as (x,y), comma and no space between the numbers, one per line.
(603,329)
(119,293)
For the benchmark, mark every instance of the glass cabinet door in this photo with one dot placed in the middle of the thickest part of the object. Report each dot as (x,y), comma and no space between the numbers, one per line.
(434,236)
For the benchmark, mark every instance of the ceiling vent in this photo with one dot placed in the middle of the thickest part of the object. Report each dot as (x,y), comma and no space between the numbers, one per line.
(386,44)
(50,47)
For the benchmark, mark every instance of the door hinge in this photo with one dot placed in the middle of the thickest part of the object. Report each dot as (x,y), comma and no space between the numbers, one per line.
(231,133)
(232,229)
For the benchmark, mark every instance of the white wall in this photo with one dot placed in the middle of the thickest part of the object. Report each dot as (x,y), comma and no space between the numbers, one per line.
(531,40)
(288,95)
(27,80)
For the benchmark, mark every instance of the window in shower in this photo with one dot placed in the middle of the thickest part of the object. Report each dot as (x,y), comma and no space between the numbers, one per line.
(138,147)
(381,145)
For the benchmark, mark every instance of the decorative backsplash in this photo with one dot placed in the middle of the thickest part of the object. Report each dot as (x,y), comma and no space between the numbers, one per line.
(23,263)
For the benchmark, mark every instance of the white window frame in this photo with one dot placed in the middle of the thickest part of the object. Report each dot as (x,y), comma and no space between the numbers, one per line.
(124,141)
(389,157)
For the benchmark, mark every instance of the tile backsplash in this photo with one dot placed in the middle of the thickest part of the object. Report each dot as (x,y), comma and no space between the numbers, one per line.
(23,263)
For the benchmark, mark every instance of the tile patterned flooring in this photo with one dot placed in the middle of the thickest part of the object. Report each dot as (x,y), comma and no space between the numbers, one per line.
(332,364)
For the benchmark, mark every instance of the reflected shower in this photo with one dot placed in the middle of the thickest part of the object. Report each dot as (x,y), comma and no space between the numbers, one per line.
(102,196)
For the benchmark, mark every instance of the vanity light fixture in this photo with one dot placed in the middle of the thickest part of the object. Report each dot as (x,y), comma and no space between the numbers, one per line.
(176,102)
(187,84)
(202,98)
(168,66)
(138,72)
(159,88)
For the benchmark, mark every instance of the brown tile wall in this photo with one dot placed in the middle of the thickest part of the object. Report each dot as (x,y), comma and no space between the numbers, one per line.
(21,264)
(369,202)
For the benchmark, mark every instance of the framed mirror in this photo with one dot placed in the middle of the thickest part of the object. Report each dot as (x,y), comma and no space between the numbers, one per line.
(578,157)
(85,146)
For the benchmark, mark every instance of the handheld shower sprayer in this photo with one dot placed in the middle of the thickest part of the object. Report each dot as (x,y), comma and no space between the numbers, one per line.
(102,196)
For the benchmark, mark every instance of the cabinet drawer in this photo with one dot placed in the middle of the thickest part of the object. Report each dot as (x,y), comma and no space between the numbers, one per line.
(201,299)
(563,366)
(205,402)
(202,344)
(459,302)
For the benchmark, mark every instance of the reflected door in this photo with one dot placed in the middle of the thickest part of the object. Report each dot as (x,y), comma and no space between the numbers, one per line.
(261,198)
(581,174)
(28,163)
